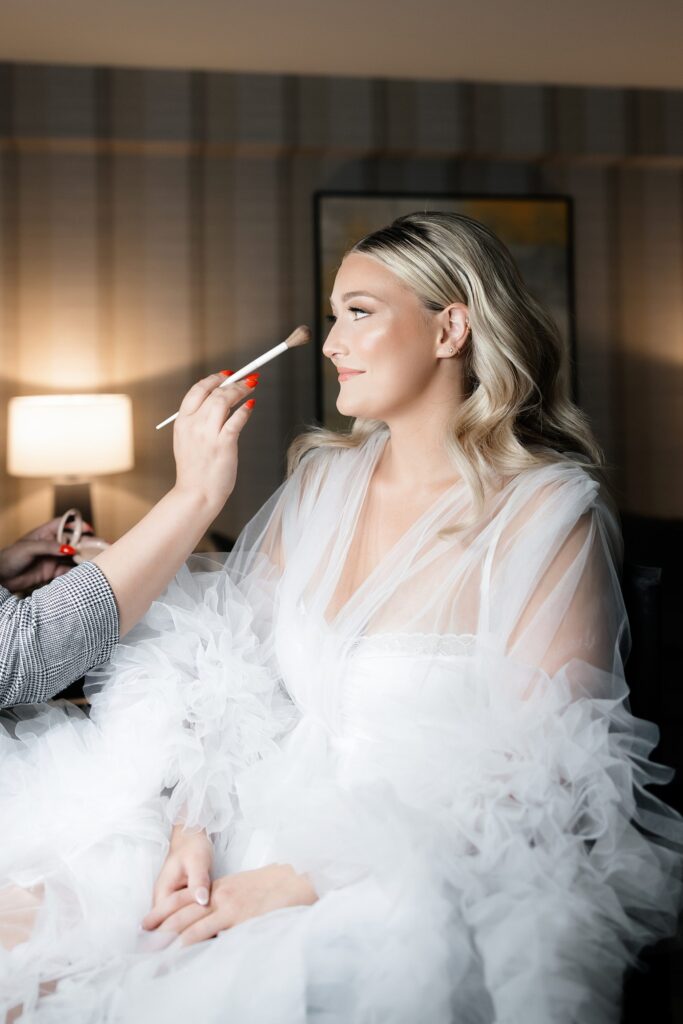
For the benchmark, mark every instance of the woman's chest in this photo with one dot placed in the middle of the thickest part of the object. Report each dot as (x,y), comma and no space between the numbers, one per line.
(385,518)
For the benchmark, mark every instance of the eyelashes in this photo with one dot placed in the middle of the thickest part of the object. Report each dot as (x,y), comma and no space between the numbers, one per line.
(352,309)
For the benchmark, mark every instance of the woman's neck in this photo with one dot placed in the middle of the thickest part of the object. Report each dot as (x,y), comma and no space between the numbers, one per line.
(415,459)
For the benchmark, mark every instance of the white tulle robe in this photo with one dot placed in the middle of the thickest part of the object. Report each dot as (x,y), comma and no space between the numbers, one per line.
(451,757)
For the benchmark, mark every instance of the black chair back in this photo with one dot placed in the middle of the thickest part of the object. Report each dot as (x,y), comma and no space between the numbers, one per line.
(642,589)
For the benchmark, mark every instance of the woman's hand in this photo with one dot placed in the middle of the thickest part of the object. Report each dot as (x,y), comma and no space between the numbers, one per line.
(185,879)
(205,437)
(235,898)
(140,564)
(36,558)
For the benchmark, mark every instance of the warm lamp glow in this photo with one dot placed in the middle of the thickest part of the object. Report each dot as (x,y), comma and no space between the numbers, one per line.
(69,435)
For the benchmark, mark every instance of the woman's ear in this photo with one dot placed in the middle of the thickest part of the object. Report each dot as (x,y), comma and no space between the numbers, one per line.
(455,330)
(459,322)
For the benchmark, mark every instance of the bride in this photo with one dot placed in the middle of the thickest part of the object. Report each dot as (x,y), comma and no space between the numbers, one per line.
(377,763)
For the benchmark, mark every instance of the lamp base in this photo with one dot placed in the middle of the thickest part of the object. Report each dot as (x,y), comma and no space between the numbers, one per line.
(74,496)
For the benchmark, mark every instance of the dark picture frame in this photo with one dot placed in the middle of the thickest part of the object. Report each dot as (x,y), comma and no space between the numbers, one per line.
(537,229)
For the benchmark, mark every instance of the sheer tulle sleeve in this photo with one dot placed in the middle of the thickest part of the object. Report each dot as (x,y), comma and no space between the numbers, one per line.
(193,693)
(589,861)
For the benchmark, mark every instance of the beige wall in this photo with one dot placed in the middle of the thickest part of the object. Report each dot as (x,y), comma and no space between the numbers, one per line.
(613,42)
(157,225)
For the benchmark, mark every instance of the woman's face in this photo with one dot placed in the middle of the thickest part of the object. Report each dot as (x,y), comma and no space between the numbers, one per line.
(386,333)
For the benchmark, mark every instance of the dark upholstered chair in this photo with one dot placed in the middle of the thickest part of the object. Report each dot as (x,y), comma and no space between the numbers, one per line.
(642,589)
(647,994)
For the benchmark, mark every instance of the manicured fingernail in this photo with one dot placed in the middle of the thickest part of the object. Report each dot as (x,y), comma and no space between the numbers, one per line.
(251,383)
(202,896)
(227,373)
(66,549)
(250,403)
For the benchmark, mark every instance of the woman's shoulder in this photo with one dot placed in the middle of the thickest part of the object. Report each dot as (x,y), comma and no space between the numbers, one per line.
(556,496)
(552,481)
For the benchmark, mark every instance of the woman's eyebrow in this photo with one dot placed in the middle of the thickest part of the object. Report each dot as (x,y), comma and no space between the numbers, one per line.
(352,295)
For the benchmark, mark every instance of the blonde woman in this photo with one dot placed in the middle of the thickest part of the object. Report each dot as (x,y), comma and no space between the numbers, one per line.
(376,763)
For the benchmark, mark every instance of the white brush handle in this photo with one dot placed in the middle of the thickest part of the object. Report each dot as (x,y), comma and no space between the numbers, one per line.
(235,377)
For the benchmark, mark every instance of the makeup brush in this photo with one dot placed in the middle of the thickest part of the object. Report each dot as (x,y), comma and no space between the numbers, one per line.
(299,336)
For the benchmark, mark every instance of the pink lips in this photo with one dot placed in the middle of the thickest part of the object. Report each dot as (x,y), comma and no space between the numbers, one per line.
(344,374)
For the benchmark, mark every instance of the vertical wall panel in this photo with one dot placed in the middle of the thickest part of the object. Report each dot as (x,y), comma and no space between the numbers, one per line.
(260,102)
(607,121)
(596,281)
(444,122)
(9,332)
(651,301)
(257,323)
(351,115)
(523,129)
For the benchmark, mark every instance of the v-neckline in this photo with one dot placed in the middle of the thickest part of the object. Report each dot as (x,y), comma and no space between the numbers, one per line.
(374,462)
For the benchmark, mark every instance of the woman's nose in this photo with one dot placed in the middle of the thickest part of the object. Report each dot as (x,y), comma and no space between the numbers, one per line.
(328,349)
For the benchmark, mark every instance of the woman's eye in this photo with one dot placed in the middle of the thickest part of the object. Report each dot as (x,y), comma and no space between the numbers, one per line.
(352,309)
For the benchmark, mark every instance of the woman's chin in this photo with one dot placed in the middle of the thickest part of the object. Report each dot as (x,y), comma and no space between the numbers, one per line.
(346,408)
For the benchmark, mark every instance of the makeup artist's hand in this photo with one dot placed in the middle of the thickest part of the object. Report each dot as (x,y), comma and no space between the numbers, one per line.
(141,563)
(35,558)
(205,436)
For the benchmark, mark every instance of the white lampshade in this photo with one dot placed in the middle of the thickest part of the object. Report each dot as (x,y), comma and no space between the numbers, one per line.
(69,435)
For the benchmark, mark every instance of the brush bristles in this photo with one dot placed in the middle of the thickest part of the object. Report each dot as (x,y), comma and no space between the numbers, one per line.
(300,336)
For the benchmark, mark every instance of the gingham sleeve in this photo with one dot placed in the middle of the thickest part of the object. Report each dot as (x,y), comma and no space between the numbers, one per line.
(55,635)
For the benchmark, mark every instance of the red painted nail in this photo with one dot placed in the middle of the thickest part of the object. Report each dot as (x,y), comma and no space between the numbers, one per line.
(251,383)
(250,403)
(227,373)
(66,549)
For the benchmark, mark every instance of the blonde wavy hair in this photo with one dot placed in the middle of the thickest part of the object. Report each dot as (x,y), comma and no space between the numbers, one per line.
(517,412)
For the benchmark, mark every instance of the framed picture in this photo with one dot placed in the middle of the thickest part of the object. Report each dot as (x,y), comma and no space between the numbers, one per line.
(536,229)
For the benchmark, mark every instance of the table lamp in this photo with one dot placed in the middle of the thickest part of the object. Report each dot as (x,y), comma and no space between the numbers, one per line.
(70,438)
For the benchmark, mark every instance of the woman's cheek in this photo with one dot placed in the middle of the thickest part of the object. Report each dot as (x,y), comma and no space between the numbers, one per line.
(374,341)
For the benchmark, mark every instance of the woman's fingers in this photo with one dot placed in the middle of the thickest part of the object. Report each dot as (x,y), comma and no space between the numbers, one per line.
(234,424)
(46,531)
(171,878)
(184,918)
(167,906)
(200,391)
(205,446)
(199,881)
(220,405)
(207,927)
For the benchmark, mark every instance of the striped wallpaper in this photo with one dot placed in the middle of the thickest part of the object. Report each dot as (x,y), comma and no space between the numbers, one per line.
(155,226)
